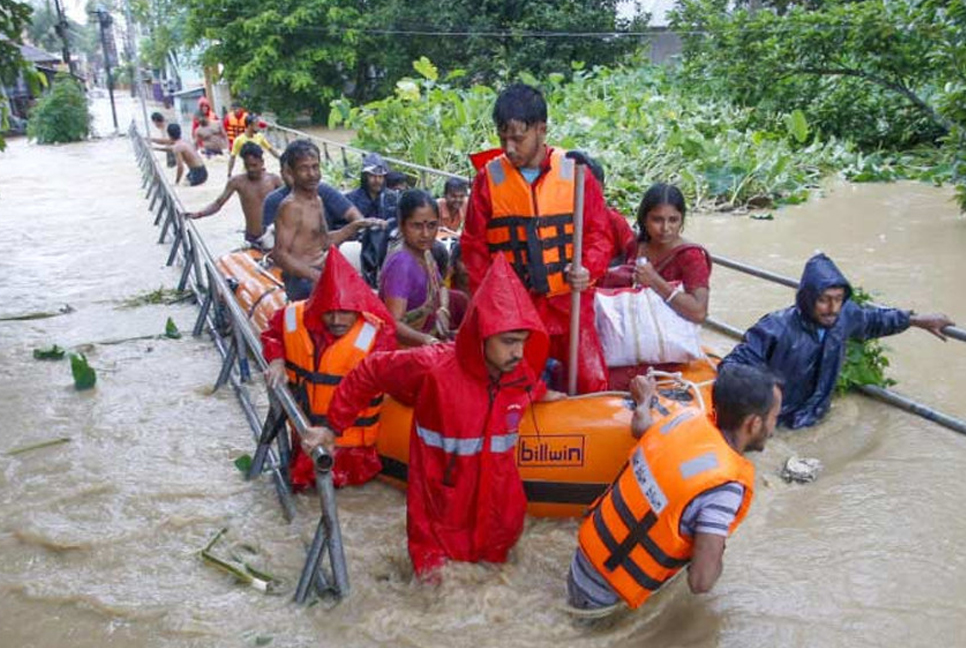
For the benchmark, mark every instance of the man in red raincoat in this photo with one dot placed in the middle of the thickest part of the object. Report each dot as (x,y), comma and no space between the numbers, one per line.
(465,499)
(521,207)
(313,344)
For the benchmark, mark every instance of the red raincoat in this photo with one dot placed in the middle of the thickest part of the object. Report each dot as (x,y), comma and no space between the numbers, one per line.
(339,288)
(465,497)
(553,311)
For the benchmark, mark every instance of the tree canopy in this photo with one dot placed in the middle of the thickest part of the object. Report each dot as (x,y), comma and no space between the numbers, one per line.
(292,55)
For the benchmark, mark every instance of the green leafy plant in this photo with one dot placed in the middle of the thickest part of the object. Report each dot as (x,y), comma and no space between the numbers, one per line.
(84,375)
(865,362)
(51,353)
(171,330)
(61,115)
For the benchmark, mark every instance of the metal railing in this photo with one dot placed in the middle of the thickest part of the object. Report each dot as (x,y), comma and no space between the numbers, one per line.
(239,345)
(280,136)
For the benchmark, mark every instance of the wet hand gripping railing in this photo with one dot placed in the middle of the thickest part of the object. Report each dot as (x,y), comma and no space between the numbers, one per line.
(237,342)
(284,134)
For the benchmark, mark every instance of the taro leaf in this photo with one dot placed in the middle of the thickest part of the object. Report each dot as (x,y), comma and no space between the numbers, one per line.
(84,375)
(53,353)
(244,463)
(426,68)
(171,330)
(797,125)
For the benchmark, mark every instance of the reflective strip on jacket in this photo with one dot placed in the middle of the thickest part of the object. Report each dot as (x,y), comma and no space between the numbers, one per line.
(632,535)
(337,360)
(533,225)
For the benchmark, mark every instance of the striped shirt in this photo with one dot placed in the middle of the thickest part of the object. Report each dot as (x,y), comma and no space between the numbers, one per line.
(712,512)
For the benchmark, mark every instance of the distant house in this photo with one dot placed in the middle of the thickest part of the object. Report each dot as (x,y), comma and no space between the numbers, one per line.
(19,94)
(664,43)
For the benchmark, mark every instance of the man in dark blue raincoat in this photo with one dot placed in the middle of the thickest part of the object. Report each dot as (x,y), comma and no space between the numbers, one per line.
(805,343)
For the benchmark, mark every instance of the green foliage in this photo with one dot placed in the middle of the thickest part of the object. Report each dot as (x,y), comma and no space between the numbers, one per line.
(171,330)
(296,55)
(51,353)
(243,463)
(84,375)
(640,123)
(865,362)
(14,17)
(888,75)
(61,115)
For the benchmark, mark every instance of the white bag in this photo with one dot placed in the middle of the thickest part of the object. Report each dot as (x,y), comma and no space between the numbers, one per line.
(635,327)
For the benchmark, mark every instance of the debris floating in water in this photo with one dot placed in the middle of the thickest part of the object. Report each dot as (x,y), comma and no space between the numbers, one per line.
(64,310)
(162,295)
(241,571)
(800,469)
(51,353)
(171,330)
(37,446)
(84,375)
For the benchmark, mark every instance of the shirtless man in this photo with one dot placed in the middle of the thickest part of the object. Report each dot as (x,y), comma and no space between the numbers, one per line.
(211,135)
(302,237)
(185,155)
(252,187)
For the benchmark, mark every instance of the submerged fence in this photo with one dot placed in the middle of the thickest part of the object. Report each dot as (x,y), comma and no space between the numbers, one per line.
(239,346)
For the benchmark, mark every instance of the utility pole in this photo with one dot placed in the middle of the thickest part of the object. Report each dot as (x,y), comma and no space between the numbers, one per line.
(106,21)
(61,29)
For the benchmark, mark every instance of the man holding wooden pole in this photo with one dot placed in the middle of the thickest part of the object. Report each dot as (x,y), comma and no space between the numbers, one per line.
(522,207)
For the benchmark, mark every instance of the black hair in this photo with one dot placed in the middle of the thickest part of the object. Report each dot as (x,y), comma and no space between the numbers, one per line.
(174,131)
(250,119)
(522,103)
(157,117)
(396,178)
(455,184)
(298,149)
(250,149)
(740,391)
(658,194)
(413,199)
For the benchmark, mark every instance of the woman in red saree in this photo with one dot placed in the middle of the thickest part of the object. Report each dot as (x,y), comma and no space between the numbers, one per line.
(677,269)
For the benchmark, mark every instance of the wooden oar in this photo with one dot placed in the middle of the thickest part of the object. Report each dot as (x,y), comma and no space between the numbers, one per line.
(575,264)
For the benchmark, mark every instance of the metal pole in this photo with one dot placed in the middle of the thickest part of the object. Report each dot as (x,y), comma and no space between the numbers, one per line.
(105,20)
(575,295)
(954,332)
(886,396)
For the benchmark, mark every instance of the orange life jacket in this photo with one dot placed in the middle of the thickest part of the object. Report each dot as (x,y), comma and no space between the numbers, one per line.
(235,126)
(632,534)
(533,225)
(337,360)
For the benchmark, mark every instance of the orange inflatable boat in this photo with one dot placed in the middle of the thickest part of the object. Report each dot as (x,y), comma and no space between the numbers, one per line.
(568,451)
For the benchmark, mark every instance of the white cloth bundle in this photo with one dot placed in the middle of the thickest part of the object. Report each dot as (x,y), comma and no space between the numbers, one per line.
(635,326)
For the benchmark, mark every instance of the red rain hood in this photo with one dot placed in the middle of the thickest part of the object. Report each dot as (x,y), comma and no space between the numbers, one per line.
(341,288)
(500,304)
(479,160)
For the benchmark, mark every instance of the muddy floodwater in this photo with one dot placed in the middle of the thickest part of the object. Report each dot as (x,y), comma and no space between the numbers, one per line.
(99,536)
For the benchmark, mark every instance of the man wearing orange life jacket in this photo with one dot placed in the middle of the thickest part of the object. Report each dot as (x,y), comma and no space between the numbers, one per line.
(521,208)
(465,499)
(313,344)
(685,488)
(234,123)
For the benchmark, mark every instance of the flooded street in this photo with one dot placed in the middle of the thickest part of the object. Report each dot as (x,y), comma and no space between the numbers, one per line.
(99,536)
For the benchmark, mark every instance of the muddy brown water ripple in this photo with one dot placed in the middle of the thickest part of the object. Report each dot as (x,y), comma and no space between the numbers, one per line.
(98,537)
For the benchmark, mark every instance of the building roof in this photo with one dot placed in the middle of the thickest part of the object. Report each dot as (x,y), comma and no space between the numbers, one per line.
(37,56)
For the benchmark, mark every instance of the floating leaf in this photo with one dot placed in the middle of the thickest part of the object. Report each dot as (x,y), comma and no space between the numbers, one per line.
(766,216)
(244,463)
(51,353)
(263,640)
(171,330)
(84,375)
